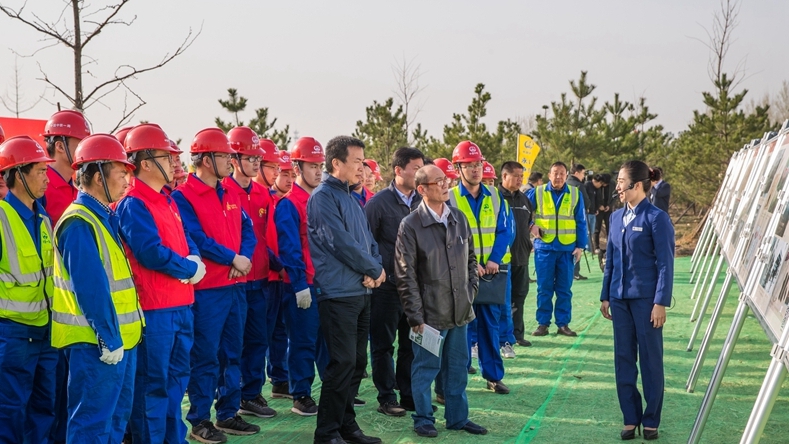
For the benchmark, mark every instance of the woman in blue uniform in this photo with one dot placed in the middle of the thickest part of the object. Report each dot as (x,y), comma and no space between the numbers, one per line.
(639,275)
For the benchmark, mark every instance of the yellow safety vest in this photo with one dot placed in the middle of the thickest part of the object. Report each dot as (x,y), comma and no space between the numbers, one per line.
(69,325)
(556,223)
(484,228)
(26,276)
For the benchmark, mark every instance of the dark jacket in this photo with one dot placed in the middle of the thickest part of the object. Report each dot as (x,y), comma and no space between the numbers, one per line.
(342,247)
(574,182)
(436,269)
(522,213)
(660,195)
(384,212)
(595,197)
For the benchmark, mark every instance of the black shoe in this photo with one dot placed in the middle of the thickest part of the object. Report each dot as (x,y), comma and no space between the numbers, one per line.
(542,330)
(331,441)
(206,432)
(281,391)
(475,429)
(410,407)
(498,387)
(427,431)
(627,435)
(257,407)
(304,406)
(578,277)
(649,435)
(358,437)
(359,402)
(440,399)
(531,281)
(237,426)
(472,371)
(565,331)
(523,343)
(391,408)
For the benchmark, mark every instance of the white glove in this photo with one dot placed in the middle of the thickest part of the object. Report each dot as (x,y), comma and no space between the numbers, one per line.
(304,298)
(111,357)
(200,273)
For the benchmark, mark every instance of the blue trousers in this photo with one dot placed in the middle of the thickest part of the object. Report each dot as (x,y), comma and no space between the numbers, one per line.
(253,354)
(100,396)
(277,366)
(636,339)
(591,221)
(27,389)
(450,369)
(306,346)
(506,327)
(58,433)
(219,328)
(487,336)
(162,375)
(554,276)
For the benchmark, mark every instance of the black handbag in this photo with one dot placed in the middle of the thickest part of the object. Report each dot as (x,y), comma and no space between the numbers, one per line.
(493,288)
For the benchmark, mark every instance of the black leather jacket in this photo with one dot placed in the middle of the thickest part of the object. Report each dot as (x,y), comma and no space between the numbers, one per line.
(436,269)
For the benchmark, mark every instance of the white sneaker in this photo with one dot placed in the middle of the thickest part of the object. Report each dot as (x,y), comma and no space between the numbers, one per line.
(474,352)
(507,351)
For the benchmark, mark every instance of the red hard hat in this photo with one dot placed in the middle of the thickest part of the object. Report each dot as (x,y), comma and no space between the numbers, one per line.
(285,162)
(2,135)
(211,140)
(270,151)
(447,167)
(67,123)
(466,152)
(147,136)
(488,172)
(375,168)
(245,141)
(21,150)
(100,147)
(307,149)
(121,134)
(174,147)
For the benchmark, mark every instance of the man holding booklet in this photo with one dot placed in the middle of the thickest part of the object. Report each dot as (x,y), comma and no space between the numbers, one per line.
(437,280)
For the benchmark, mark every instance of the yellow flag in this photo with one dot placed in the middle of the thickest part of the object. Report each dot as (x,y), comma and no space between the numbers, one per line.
(527,153)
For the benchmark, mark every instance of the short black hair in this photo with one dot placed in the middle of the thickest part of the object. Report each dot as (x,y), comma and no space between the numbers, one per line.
(577,168)
(429,161)
(85,176)
(561,164)
(404,155)
(535,176)
(510,166)
(337,148)
(10,174)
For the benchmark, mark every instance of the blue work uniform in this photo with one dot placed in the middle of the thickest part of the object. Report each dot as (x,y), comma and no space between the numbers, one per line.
(219,318)
(27,361)
(100,395)
(554,264)
(639,274)
(277,365)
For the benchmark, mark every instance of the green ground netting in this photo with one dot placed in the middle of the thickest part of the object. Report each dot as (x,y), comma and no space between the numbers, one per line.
(563,388)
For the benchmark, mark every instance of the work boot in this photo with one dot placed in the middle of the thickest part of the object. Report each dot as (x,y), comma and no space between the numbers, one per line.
(523,343)
(542,330)
(304,406)
(391,408)
(498,387)
(565,331)
(506,351)
(358,437)
(205,432)
(440,399)
(257,407)
(281,390)
(237,426)
(579,277)
(472,370)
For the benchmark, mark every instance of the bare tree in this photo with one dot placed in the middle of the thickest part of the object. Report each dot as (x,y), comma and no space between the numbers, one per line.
(779,104)
(406,74)
(14,102)
(71,33)
(719,41)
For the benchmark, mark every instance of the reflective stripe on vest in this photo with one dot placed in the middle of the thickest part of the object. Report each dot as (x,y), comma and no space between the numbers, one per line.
(69,325)
(484,229)
(555,223)
(25,275)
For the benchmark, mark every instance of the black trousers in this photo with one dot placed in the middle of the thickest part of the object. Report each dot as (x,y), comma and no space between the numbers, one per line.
(602,218)
(519,278)
(387,323)
(345,324)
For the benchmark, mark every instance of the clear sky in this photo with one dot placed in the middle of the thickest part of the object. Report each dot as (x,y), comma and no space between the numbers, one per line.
(318,64)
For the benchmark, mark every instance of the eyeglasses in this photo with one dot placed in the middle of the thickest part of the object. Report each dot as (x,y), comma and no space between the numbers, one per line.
(471,166)
(252,159)
(222,156)
(172,160)
(274,167)
(442,182)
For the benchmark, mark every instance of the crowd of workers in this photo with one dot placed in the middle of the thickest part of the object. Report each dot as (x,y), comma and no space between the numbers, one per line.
(129,283)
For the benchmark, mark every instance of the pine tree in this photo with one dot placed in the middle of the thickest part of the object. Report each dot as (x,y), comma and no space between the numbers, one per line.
(236,104)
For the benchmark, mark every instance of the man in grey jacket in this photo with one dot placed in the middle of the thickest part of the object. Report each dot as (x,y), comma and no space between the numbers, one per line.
(437,280)
(347,268)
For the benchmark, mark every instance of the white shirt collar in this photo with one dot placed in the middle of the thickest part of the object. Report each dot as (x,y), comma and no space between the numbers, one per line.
(444,214)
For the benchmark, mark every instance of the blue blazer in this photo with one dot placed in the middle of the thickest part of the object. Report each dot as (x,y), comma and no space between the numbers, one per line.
(660,195)
(640,257)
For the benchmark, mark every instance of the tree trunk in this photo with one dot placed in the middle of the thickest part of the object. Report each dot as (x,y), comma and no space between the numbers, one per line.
(78,103)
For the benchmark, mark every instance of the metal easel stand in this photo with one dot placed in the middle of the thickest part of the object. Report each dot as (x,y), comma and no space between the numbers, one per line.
(699,315)
(704,258)
(700,246)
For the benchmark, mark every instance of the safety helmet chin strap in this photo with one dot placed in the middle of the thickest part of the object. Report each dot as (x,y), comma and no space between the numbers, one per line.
(104,180)
(213,163)
(149,153)
(241,166)
(24,181)
(65,148)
